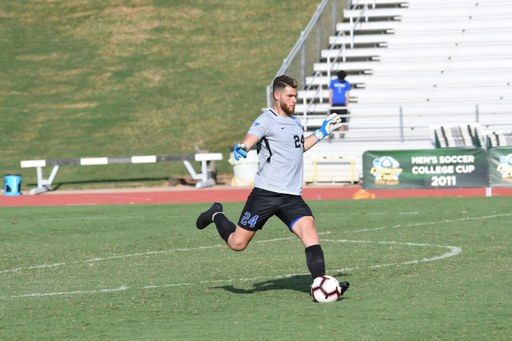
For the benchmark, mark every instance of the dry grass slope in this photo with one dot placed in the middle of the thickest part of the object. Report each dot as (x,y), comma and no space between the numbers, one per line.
(90,78)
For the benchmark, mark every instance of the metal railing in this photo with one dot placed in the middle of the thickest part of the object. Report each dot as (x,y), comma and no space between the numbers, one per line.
(397,130)
(302,44)
(308,47)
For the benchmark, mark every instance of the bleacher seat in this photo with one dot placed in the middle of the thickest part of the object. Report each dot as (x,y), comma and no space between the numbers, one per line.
(412,65)
(499,139)
(460,136)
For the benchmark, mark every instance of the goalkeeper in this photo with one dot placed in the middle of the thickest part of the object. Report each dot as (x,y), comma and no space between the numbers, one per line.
(280,141)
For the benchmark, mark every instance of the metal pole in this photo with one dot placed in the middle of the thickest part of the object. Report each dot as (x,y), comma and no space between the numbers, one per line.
(319,37)
(343,50)
(351,33)
(477,113)
(328,70)
(303,62)
(334,17)
(401,126)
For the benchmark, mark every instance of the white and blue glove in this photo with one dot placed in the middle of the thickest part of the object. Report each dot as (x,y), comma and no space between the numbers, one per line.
(332,123)
(239,151)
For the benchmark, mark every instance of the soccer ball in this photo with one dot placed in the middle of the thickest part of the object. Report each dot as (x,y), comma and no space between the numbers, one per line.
(326,289)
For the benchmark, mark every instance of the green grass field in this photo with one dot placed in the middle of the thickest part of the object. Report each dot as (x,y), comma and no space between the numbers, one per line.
(420,269)
(95,78)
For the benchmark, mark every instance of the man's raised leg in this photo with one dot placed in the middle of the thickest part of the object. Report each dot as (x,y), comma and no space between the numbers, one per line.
(236,237)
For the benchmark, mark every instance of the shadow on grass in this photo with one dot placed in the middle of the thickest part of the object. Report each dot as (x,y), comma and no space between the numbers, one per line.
(301,283)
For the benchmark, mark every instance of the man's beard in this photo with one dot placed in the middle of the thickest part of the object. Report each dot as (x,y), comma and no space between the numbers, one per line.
(289,111)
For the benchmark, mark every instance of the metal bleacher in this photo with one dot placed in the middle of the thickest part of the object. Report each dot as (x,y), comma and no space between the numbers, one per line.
(499,139)
(460,136)
(412,65)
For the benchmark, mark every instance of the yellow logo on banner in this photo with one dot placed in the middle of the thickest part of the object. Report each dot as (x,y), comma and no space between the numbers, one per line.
(505,168)
(386,171)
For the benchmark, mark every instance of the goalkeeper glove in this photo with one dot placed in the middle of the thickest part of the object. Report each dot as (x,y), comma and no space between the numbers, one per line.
(332,123)
(239,151)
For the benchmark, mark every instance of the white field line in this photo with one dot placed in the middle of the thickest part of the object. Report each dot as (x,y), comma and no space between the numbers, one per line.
(454,250)
(433,222)
(132,255)
(262,241)
(111,257)
(67,293)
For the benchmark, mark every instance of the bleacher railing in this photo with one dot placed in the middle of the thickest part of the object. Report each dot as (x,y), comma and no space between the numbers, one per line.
(308,47)
(298,65)
(401,131)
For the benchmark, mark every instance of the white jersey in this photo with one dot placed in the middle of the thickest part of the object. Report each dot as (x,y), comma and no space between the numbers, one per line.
(280,152)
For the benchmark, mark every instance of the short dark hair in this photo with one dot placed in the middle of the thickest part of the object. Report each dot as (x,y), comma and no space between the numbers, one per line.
(342,75)
(282,82)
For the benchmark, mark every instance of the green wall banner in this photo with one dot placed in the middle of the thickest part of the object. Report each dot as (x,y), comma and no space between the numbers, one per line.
(500,167)
(425,168)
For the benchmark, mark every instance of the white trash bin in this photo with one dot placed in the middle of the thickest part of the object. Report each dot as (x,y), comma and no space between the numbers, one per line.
(244,169)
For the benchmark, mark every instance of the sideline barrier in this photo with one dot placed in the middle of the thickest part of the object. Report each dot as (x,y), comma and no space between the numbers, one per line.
(206,175)
(500,167)
(438,168)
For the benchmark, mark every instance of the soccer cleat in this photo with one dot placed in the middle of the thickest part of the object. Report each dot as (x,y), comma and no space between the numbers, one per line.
(205,218)
(344,287)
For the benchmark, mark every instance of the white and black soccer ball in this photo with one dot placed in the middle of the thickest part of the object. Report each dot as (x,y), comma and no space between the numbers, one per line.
(326,289)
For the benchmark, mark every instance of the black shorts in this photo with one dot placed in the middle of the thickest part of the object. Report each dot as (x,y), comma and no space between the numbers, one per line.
(263,204)
(340,111)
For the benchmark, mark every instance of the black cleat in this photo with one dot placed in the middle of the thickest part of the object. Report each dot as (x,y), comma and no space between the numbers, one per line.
(344,287)
(205,218)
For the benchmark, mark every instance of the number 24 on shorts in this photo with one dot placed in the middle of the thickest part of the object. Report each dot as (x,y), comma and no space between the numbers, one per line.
(248,220)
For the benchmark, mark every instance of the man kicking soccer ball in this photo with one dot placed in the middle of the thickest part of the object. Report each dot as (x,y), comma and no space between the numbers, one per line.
(279,138)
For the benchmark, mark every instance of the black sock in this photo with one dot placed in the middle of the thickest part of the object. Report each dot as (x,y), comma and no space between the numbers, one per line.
(315,260)
(224,226)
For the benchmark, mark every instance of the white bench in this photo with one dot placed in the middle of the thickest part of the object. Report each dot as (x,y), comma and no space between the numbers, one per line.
(424,52)
(372,3)
(502,109)
(431,24)
(421,95)
(413,67)
(426,11)
(44,185)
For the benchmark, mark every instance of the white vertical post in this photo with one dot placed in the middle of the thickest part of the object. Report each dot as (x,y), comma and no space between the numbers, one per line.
(328,70)
(204,170)
(351,33)
(488,191)
(39,177)
(401,125)
(305,111)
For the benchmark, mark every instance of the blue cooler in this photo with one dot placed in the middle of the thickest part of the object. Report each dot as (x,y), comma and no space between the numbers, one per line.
(12,184)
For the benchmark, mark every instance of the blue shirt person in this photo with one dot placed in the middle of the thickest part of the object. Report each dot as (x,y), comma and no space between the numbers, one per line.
(339,96)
